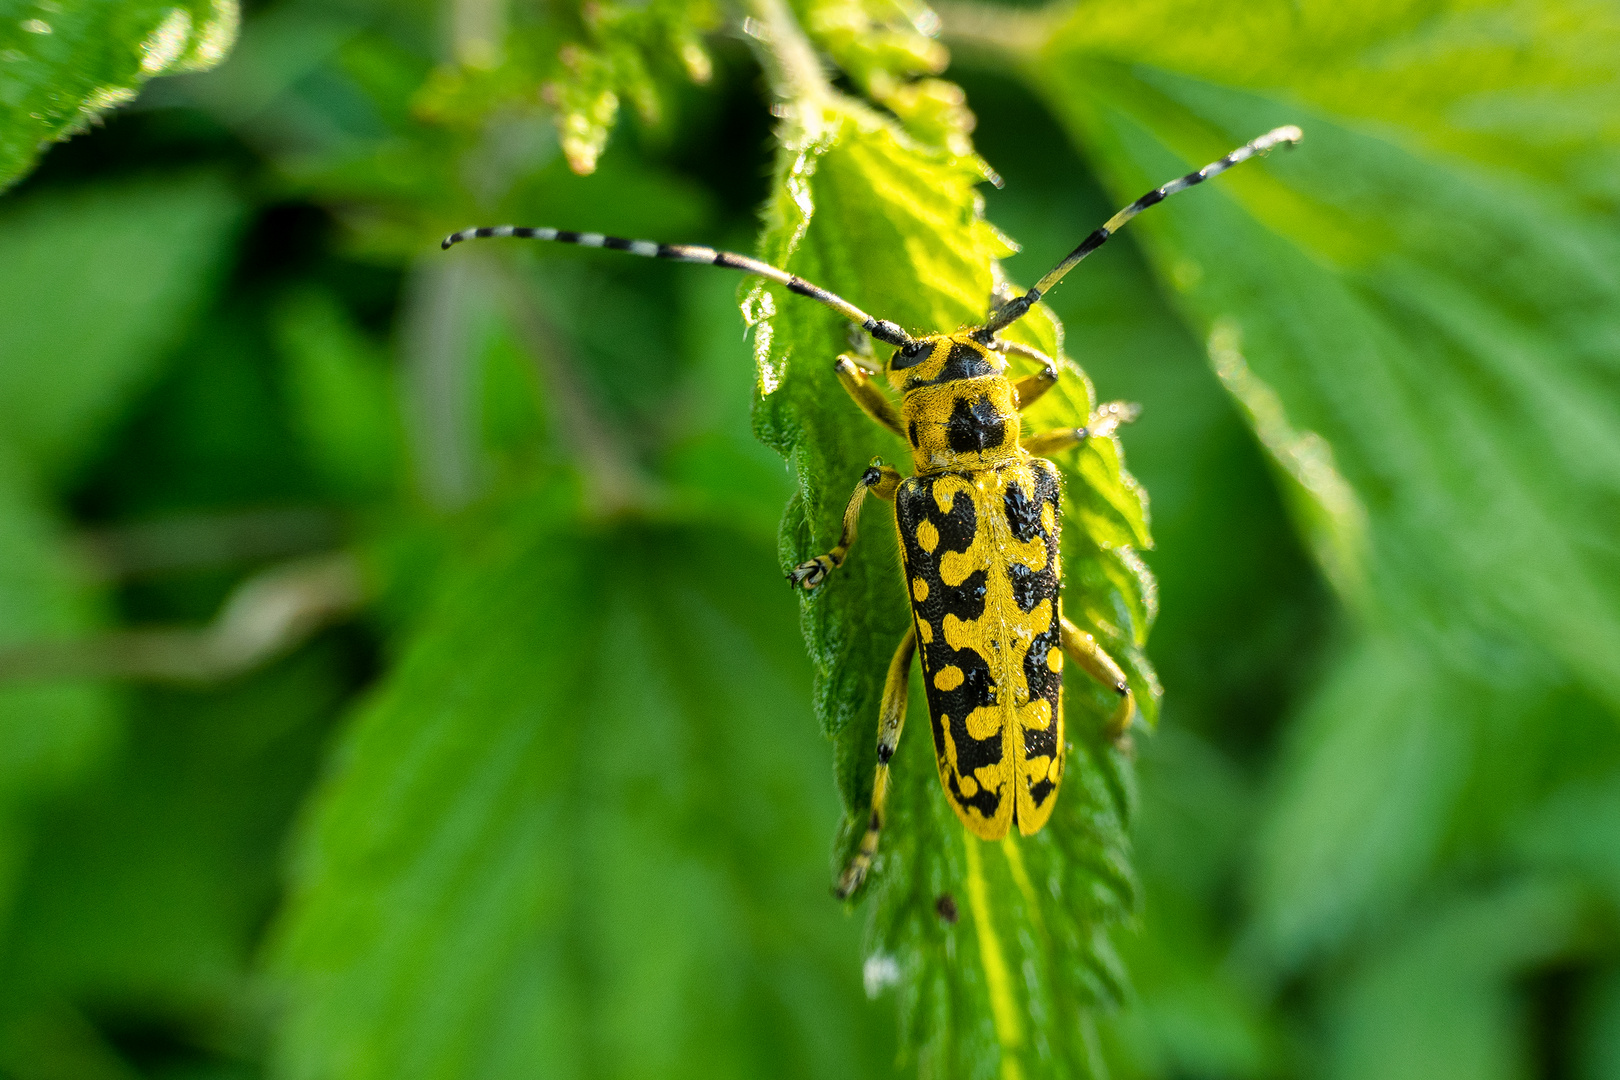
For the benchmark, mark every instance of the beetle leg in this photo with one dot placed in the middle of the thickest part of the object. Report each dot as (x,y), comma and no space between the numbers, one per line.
(1083,649)
(1030,387)
(890,721)
(860,386)
(1103,424)
(880,480)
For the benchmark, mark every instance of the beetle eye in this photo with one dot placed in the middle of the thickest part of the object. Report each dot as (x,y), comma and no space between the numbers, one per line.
(911,355)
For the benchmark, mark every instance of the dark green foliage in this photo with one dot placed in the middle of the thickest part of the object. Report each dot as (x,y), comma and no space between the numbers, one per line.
(565,794)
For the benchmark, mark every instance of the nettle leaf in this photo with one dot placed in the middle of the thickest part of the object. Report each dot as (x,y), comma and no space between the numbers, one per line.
(616,52)
(63,65)
(1426,287)
(1412,309)
(999,949)
(141,258)
(51,732)
(576,832)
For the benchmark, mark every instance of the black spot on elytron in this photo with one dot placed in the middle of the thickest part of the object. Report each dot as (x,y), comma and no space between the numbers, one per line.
(945,905)
(915,503)
(1030,586)
(1042,681)
(975,426)
(1023,514)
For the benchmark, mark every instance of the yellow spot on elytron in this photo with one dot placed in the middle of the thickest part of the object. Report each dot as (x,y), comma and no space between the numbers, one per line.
(1038,768)
(1054,659)
(969,786)
(925,633)
(944,496)
(1037,715)
(955,566)
(983,723)
(948,678)
(959,634)
(1040,619)
(1048,520)
(990,777)
(927,537)
(919,589)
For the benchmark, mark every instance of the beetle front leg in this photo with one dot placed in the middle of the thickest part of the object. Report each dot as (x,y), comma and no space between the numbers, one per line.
(1083,649)
(880,480)
(867,395)
(890,720)
(1030,387)
(1103,424)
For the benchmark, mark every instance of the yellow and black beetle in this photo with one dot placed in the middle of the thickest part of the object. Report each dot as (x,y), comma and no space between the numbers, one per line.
(979,522)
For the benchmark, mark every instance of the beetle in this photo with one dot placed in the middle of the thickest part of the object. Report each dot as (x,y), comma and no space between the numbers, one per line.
(979,526)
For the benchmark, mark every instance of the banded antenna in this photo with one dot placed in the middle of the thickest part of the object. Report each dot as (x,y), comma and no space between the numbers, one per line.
(1016,308)
(882,329)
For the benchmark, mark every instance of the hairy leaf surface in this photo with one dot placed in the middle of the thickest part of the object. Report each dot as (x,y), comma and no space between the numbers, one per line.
(66,64)
(894,225)
(565,838)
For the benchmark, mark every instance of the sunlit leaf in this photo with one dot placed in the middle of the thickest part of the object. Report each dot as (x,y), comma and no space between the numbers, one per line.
(1426,301)
(65,64)
(895,226)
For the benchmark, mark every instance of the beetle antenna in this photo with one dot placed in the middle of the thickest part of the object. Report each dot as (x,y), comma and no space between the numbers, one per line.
(882,329)
(1016,308)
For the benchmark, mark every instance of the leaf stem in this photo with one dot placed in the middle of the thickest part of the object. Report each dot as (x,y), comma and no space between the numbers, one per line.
(792,68)
(1006,33)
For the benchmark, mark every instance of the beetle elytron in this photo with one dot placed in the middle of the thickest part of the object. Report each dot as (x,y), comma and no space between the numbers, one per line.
(978,521)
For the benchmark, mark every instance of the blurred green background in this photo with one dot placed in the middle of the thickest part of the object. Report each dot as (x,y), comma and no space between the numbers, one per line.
(275,801)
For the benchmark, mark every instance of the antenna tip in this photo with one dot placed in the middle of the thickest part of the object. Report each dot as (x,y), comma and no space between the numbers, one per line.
(444,245)
(1289,134)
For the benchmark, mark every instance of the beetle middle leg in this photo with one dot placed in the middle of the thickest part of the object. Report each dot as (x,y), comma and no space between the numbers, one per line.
(880,480)
(890,720)
(1083,649)
(1103,424)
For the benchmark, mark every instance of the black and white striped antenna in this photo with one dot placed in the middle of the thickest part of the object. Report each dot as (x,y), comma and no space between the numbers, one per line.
(1017,307)
(882,329)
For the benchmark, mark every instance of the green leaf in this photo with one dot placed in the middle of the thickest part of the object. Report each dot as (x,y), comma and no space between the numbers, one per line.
(99,285)
(1599,1046)
(1440,1001)
(1367,783)
(894,225)
(51,733)
(1422,287)
(150,885)
(65,65)
(578,831)
(344,398)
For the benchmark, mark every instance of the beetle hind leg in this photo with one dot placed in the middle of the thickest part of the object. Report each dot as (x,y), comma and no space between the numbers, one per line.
(1083,649)
(891,720)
